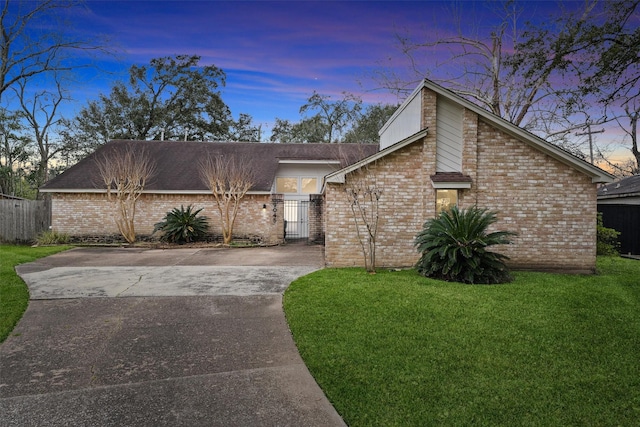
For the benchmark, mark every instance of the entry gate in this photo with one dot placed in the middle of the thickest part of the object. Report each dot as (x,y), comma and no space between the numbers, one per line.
(296,217)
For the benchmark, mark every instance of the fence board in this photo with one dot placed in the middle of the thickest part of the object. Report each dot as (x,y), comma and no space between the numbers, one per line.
(22,220)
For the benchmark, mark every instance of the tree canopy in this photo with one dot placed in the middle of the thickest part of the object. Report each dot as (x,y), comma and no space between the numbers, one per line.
(172,98)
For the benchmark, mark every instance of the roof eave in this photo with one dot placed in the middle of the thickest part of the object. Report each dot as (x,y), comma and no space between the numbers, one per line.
(338,177)
(597,175)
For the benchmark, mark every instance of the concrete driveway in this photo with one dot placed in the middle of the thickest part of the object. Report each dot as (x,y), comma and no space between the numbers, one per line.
(182,337)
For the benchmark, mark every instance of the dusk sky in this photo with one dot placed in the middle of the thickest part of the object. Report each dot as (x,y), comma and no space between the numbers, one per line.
(275,54)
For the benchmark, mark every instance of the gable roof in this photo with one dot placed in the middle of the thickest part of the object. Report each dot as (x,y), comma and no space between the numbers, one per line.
(339,175)
(597,175)
(626,187)
(177,163)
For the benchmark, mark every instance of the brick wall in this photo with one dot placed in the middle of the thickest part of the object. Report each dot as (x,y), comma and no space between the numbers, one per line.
(92,214)
(549,204)
(401,212)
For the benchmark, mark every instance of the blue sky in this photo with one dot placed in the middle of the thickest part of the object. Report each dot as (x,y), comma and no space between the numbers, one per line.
(275,54)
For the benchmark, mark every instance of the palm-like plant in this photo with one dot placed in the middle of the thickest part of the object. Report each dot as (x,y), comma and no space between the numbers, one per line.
(454,245)
(182,225)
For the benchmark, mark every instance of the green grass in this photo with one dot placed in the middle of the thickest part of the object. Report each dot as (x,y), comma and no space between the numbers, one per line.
(397,349)
(14,295)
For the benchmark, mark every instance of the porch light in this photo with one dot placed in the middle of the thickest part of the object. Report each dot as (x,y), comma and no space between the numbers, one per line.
(264,207)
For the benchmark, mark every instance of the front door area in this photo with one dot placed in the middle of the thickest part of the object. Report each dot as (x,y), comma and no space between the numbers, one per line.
(296,217)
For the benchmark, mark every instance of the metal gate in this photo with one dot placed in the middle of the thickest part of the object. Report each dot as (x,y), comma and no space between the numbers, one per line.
(296,219)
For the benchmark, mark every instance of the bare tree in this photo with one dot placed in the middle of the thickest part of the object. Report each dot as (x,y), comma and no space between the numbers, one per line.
(125,172)
(632,113)
(41,113)
(518,72)
(363,191)
(229,179)
(26,55)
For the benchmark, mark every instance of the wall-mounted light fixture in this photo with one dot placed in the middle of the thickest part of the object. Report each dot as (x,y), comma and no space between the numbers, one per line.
(264,208)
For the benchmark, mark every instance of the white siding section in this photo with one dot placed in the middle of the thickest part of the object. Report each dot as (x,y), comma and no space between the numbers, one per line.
(449,117)
(300,171)
(405,122)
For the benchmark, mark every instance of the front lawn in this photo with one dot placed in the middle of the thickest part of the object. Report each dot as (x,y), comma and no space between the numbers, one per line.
(396,349)
(14,295)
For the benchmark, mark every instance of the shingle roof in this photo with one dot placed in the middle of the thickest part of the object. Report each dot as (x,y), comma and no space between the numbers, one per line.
(177,162)
(626,187)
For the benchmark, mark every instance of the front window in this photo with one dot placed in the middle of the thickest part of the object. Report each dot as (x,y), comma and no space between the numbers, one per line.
(309,185)
(286,185)
(445,200)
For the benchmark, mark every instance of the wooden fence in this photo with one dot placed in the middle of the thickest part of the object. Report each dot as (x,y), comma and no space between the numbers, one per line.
(22,220)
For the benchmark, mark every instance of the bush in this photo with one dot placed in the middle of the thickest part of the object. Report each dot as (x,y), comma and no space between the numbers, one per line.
(607,243)
(182,226)
(52,237)
(453,247)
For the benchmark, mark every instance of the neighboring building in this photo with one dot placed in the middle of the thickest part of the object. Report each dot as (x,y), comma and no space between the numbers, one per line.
(439,149)
(619,203)
(287,176)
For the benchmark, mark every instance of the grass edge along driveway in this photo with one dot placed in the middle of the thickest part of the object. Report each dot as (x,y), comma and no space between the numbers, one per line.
(397,349)
(14,294)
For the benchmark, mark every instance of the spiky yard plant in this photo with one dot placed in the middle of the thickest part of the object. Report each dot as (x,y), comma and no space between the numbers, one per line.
(182,225)
(453,247)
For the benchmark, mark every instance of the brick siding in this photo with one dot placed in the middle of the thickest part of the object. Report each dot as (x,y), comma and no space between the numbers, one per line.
(550,205)
(86,214)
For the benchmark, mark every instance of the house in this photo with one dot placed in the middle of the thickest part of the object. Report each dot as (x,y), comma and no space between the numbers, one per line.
(439,149)
(288,178)
(619,203)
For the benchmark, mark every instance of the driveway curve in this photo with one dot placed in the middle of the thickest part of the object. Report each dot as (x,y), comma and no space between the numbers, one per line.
(145,337)
(126,272)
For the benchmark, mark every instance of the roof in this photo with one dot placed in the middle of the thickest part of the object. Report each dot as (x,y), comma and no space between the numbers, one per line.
(339,176)
(597,175)
(177,163)
(626,187)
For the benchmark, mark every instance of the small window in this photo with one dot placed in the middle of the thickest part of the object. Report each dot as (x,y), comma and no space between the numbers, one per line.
(309,185)
(286,185)
(445,200)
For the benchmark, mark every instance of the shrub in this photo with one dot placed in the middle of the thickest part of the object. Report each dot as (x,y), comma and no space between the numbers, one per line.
(454,245)
(607,243)
(182,225)
(52,237)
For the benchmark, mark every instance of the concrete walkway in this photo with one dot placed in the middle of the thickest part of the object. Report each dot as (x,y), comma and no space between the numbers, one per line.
(213,354)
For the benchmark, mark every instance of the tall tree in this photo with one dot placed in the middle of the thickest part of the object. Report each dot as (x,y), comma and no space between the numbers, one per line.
(243,129)
(366,127)
(519,71)
(40,111)
(26,55)
(336,115)
(308,130)
(173,98)
(614,75)
(14,152)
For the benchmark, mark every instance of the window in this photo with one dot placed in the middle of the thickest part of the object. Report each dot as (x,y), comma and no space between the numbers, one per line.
(309,185)
(286,185)
(445,200)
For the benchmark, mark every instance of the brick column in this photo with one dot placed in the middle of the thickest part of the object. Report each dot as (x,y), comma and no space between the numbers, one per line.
(316,221)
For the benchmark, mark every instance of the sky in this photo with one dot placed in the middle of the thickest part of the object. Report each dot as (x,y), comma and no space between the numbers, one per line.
(275,54)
